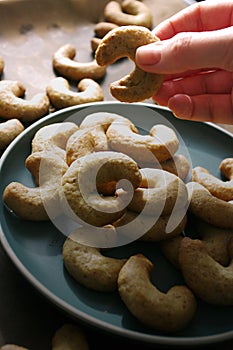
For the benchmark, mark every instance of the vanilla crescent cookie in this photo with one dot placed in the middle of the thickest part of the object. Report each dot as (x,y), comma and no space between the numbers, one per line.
(13,106)
(85,141)
(208,279)
(30,203)
(69,337)
(178,165)
(87,265)
(123,42)
(105,120)
(226,168)
(159,192)
(209,208)
(64,64)
(8,132)
(53,137)
(62,96)
(159,145)
(218,188)
(216,240)
(91,174)
(167,312)
(129,12)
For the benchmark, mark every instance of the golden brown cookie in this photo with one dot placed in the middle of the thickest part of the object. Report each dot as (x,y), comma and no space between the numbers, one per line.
(128,12)
(65,65)
(167,312)
(218,188)
(159,145)
(91,173)
(69,337)
(13,106)
(30,203)
(8,132)
(85,141)
(53,137)
(209,280)
(86,264)
(159,192)
(123,42)
(209,208)
(62,96)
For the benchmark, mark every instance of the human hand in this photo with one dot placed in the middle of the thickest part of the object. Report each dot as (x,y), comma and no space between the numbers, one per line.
(196,55)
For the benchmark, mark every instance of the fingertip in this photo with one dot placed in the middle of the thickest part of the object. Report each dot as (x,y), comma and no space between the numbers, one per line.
(181,106)
(148,55)
(160,100)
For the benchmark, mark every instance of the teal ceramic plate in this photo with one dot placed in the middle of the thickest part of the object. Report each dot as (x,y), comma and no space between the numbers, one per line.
(35,248)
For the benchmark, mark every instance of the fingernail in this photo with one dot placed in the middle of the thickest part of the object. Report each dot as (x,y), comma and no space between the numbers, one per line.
(148,54)
(181,106)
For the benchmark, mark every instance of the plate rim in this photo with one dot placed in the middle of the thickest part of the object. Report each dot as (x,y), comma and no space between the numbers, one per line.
(71,310)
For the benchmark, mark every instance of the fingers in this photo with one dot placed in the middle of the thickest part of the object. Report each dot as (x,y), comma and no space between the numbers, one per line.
(205,97)
(197,18)
(214,82)
(209,108)
(188,51)
(195,41)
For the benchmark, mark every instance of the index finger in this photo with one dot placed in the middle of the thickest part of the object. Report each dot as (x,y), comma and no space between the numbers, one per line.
(204,16)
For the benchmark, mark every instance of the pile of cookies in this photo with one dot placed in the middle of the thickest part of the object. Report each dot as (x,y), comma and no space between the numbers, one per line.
(59,94)
(121,186)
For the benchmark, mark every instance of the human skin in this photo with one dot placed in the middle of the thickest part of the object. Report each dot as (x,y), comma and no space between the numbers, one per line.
(195,52)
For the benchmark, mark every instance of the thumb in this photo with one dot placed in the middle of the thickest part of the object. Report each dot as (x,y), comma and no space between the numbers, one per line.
(188,51)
